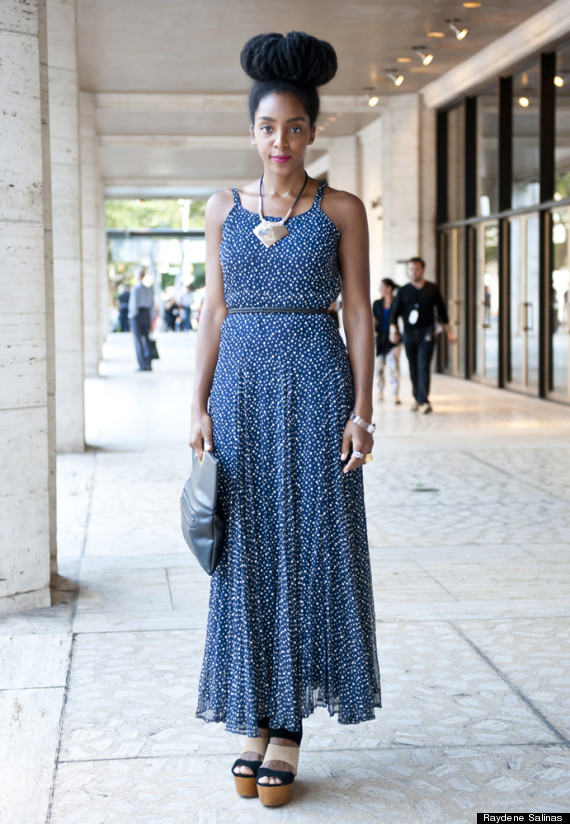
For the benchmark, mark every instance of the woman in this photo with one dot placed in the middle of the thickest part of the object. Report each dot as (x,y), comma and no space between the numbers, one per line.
(387,353)
(291,622)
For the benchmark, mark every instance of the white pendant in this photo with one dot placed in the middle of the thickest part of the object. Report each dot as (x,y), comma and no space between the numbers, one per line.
(270,233)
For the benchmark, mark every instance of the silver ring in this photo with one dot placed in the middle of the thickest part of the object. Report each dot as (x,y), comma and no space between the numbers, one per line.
(357,454)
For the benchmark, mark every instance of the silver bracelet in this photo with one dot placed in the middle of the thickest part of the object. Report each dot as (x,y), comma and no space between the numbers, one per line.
(370,427)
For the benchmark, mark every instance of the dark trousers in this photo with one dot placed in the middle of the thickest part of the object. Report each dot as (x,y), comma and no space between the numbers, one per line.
(124,318)
(419,345)
(141,330)
(186,323)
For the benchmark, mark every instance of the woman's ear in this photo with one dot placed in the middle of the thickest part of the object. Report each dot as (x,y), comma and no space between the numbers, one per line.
(251,135)
(312,134)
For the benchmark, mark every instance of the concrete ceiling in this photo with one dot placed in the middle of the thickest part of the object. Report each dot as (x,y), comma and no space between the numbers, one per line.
(171,96)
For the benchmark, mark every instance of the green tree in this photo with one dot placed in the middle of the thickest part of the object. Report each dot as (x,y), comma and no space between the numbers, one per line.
(155,214)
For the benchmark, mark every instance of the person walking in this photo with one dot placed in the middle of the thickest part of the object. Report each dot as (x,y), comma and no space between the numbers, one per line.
(387,353)
(417,304)
(186,302)
(286,408)
(141,302)
(123,301)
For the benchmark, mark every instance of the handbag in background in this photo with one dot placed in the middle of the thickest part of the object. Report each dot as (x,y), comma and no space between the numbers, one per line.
(153,349)
(202,525)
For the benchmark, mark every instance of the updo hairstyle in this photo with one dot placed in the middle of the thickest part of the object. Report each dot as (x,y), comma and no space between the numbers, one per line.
(389,283)
(296,63)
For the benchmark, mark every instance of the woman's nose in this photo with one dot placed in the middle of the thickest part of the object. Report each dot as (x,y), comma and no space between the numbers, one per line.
(280,140)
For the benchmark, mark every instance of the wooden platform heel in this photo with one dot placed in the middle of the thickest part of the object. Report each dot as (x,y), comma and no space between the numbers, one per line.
(276,795)
(245,784)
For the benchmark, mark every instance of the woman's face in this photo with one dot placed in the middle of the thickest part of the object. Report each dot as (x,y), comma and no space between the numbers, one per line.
(281,132)
(385,290)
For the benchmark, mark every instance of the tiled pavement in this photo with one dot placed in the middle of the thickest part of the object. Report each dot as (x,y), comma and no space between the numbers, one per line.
(469,517)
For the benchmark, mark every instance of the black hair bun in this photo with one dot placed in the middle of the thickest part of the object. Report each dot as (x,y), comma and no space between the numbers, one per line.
(295,58)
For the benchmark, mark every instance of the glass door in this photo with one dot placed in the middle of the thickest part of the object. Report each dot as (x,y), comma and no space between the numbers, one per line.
(523,303)
(559,320)
(454,294)
(486,299)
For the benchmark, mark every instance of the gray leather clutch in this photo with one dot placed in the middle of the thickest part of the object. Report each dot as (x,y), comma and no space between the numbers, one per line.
(202,524)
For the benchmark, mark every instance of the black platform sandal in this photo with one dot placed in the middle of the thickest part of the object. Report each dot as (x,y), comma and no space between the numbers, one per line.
(276,795)
(245,784)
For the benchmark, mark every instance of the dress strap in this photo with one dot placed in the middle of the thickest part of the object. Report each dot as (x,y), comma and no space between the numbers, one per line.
(237,201)
(320,192)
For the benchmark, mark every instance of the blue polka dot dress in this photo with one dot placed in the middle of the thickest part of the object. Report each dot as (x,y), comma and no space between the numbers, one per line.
(291,619)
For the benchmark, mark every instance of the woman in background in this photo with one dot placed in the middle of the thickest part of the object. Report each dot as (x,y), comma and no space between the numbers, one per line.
(387,353)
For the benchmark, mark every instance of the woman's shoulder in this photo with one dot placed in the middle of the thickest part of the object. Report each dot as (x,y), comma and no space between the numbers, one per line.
(341,199)
(220,200)
(342,207)
(218,207)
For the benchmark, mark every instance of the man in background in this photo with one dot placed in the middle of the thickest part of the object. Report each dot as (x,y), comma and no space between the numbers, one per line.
(141,302)
(417,304)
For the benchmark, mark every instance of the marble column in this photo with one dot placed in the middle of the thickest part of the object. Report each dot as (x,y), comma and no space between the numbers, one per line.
(92,237)
(400,184)
(66,208)
(428,184)
(49,284)
(25,414)
(344,172)
(371,192)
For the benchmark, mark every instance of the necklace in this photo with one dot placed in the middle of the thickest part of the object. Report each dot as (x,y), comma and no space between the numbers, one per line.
(270,233)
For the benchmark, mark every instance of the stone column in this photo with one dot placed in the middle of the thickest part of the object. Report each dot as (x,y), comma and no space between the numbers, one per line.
(66,208)
(371,191)
(27,506)
(345,164)
(48,277)
(92,237)
(428,183)
(400,184)
(104,290)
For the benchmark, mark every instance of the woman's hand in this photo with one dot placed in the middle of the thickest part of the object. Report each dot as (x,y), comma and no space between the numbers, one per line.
(360,440)
(201,433)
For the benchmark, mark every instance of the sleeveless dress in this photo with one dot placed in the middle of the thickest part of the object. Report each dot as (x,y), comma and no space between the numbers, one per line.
(291,621)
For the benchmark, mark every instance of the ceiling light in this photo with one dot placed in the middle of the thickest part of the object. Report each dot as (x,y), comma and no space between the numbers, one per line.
(373,98)
(471,5)
(435,34)
(395,76)
(558,81)
(459,33)
(403,60)
(424,56)
(524,102)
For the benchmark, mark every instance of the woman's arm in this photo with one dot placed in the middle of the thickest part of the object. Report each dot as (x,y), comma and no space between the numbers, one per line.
(211,318)
(348,214)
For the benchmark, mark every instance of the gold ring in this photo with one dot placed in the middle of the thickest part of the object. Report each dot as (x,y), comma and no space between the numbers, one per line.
(368,458)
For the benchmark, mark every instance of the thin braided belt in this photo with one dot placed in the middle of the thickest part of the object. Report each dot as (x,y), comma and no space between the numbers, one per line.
(300,310)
